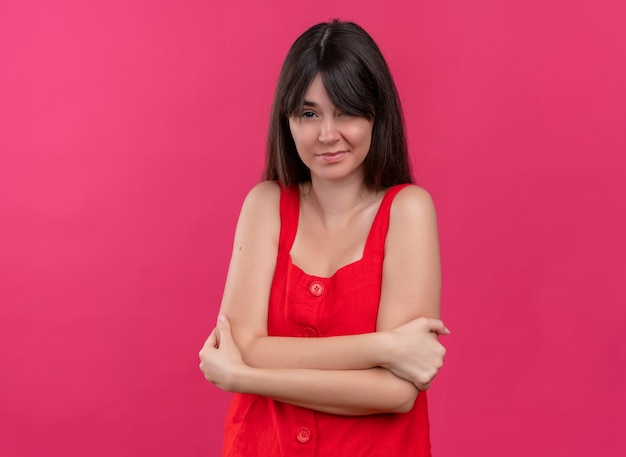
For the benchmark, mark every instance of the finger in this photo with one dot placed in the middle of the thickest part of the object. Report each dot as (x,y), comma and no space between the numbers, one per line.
(212,340)
(435,325)
(223,321)
(218,336)
(223,328)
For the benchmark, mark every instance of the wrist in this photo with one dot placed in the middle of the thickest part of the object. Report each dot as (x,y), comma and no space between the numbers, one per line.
(384,348)
(239,379)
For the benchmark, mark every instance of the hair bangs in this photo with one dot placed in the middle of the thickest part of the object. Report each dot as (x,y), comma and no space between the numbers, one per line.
(293,102)
(350,87)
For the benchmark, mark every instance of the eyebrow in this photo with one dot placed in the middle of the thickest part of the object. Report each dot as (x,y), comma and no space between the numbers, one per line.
(308,103)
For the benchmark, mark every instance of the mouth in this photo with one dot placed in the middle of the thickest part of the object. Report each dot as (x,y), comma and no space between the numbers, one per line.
(332,156)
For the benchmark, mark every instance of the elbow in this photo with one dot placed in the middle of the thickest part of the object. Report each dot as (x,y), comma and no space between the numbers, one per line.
(406,402)
(403,398)
(248,354)
(398,396)
(252,353)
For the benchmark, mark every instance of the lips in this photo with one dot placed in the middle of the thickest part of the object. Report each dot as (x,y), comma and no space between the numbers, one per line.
(332,156)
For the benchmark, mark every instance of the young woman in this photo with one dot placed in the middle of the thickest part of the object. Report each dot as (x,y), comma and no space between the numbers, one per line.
(328,325)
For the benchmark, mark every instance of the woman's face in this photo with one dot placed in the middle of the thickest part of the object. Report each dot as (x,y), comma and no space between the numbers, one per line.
(332,144)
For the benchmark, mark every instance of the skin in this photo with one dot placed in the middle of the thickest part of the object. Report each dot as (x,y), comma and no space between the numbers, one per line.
(350,375)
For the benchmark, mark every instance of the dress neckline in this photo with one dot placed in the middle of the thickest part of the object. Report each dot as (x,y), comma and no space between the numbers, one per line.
(347,266)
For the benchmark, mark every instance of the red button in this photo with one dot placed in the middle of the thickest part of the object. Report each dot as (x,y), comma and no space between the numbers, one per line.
(303,434)
(316,288)
(309,332)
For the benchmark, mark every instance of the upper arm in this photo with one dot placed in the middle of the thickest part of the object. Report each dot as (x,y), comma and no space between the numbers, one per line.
(253,262)
(411,283)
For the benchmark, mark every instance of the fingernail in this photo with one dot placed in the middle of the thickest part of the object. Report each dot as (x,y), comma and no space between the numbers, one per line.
(221,318)
(447,331)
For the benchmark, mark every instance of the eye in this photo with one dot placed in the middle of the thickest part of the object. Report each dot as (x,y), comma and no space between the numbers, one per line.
(308,114)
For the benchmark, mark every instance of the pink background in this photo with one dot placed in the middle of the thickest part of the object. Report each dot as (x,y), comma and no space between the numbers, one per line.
(130,131)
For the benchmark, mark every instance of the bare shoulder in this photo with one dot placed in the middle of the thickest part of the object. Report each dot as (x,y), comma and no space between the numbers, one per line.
(265,193)
(413,206)
(259,220)
(262,202)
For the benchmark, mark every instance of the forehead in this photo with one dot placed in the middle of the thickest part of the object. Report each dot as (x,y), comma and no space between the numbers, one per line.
(316,93)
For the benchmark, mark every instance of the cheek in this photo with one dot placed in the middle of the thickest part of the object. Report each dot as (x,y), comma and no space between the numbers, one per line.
(362,135)
(295,130)
(302,136)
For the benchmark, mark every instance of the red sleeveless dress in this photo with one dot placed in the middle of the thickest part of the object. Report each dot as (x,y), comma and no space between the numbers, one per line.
(308,306)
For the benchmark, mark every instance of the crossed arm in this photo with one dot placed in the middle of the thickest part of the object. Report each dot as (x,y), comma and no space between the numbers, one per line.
(351,375)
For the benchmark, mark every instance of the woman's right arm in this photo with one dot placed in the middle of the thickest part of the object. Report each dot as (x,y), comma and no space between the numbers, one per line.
(246,297)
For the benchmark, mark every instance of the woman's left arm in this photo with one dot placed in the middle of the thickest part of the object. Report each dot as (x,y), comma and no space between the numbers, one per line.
(411,284)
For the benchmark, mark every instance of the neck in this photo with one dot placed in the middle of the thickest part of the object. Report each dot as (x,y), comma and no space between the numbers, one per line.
(338,199)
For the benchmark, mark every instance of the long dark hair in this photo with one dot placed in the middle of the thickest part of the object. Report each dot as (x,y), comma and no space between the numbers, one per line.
(358,81)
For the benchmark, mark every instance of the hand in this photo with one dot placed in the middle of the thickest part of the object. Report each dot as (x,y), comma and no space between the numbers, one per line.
(415,353)
(220,358)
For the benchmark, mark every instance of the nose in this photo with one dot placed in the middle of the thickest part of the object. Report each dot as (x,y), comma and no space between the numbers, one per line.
(328,131)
